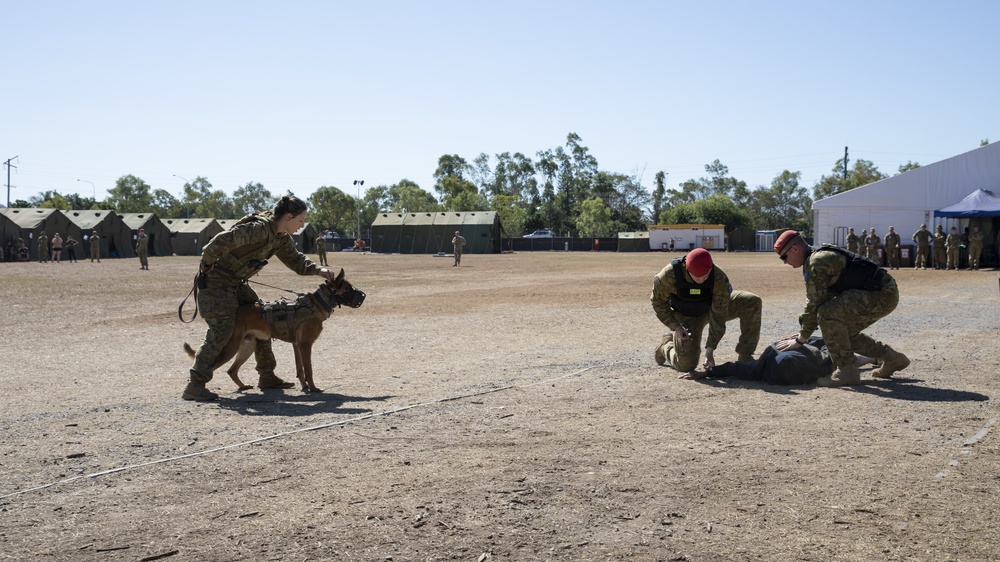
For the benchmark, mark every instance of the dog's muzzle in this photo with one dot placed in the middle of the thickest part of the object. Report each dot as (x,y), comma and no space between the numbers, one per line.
(352,298)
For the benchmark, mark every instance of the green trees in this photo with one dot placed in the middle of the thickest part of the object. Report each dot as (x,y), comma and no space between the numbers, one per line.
(562,188)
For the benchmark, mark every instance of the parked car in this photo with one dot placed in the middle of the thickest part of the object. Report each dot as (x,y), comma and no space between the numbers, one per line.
(539,234)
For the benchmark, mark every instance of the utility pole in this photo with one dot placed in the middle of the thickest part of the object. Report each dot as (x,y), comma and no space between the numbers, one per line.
(845,164)
(359,183)
(9,166)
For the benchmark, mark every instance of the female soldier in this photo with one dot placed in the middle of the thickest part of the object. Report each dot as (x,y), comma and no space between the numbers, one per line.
(228,260)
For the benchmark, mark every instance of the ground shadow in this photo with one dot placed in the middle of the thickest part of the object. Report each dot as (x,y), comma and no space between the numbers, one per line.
(895,388)
(295,403)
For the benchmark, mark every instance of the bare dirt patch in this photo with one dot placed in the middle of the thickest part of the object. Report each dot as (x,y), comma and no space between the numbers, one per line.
(508,409)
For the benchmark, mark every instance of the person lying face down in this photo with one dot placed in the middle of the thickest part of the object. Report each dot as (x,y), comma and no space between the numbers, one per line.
(802,365)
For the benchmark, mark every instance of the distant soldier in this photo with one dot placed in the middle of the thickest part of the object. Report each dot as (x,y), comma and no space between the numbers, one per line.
(95,247)
(939,242)
(953,242)
(71,248)
(20,249)
(853,240)
(142,249)
(321,250)
(57,246)
(458,241)
(922,238)
(873,242)
(891,245)
(43,248)
(863,241)
(975,247)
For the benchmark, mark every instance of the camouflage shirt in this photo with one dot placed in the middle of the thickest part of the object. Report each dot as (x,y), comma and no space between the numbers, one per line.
(976,238)
(922,237)
(891,241)
(141,244)
(821,271)
(953,240)
(241,251)
(665,284)
(939,239)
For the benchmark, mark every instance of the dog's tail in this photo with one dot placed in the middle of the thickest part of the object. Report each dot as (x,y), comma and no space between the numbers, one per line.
(189,350)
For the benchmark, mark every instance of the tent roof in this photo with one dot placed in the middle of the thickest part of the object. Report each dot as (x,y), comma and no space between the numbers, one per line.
(305,227)
(226,224)
(979,203)
(87,220)
(188,225)
(28,218)
(137,220)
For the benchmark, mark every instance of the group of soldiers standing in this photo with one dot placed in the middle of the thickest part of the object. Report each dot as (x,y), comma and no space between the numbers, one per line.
(946,247)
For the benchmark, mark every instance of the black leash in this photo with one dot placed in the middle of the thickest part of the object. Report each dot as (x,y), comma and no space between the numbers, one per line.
(278,288)
(194,291)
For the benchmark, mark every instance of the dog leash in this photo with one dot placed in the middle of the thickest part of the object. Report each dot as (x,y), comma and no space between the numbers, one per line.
(193,291)
(278,288)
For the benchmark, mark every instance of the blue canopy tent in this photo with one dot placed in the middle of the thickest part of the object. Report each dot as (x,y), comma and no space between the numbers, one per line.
(979,203)
(980,208)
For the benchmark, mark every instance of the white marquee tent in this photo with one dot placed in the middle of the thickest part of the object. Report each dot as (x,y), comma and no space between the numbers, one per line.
(908,200)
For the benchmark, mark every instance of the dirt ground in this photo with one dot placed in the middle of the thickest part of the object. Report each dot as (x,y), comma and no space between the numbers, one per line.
(508,409)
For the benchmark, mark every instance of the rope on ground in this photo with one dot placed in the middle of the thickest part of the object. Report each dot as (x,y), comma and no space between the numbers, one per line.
(291,432)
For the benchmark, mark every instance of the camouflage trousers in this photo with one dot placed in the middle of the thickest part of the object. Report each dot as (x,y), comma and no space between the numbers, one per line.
(217,304)
(458,257)
(321,255)
(685,354)
(144,261)
(953,257)
(922,252)
(939,257)
(892,256)
(975,250)
(842,319)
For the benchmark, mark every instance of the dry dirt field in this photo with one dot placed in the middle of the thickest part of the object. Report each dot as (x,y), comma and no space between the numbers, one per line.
(509,409)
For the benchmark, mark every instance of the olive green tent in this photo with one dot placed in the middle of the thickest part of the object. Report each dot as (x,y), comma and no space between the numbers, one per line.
(415,233)
(387,230)
(32,222)
(189,236)
(116,236)
(482,232)
(158,233)
(633,241)
(305,239)
(9,231)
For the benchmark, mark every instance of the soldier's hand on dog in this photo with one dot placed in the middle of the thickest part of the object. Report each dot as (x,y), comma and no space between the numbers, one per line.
(327,274)
(709,359)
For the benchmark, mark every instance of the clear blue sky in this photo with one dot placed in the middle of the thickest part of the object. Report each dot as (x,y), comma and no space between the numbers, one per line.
(298,94)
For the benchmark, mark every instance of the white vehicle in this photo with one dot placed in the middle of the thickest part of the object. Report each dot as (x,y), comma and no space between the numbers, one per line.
(539,234)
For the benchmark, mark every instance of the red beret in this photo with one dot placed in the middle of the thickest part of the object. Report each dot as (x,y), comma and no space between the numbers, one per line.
(699,262)
(786,237)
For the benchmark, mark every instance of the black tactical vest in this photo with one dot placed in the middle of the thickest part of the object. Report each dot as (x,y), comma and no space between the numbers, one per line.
(690,298)
(859,273)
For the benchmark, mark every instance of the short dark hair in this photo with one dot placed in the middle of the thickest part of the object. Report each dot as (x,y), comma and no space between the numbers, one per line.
(289,204)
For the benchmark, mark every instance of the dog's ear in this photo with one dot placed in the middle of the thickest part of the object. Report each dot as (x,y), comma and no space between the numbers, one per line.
(340,276)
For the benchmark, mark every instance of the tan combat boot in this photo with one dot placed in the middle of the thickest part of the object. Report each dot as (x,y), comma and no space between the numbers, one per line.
(658,354)
(196,390)
(270,380)
(843,376)
(892,362)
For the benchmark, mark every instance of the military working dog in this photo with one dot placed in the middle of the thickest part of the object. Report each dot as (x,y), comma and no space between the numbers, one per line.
(298,322)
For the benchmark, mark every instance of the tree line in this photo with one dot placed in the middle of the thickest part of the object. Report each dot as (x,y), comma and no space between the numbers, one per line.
(562,189)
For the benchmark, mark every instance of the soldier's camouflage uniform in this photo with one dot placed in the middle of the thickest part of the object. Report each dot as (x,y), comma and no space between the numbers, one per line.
(43,247)
(872,243)
(939,253)
(727,305)
(853,240)
(842,316)
(922,238)
(975,248)
(953,241)
(142,250)
(891,245)
(234,256)
(95,248)
(321,250)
